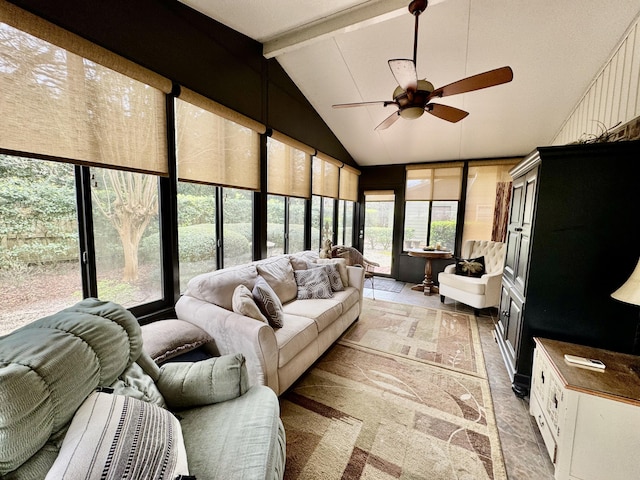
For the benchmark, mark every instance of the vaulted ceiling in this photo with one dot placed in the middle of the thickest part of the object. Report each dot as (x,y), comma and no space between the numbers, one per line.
(336,51)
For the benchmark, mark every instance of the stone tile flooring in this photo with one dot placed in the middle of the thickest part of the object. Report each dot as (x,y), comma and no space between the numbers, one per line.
(524,452)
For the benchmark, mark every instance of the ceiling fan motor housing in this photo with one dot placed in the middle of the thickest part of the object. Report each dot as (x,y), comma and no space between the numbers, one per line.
(412,104)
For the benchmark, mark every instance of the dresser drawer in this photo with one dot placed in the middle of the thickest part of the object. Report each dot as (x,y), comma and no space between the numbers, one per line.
(544,427)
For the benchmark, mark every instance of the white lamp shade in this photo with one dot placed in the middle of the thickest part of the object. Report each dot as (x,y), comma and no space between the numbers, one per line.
(629,292)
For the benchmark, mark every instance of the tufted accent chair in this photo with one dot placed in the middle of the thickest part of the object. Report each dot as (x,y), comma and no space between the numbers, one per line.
(480,292)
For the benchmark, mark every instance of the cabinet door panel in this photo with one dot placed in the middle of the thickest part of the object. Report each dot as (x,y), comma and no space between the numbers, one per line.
(514,328)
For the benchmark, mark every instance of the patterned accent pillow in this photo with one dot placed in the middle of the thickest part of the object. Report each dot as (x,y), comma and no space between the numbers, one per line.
(313,283)
(470,267)
(268,302)
(244,304)
(333,273)
(341,263)
(105,438)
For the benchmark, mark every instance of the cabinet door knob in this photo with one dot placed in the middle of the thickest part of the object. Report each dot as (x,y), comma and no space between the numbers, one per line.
(555,401)
(542,376)
(540,420)
(518,229)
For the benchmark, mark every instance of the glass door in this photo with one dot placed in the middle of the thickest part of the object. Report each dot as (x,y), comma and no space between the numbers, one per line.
(378,229)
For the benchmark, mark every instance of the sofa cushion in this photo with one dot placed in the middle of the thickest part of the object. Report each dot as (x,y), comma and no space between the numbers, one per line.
(166,339)
(297,332)
(341,263)
(470,267)
(268,302)
(322,311)
(278,273)
(472,285)
(239,439)
(113,436)
(348,297)
(244,304)
(313,283)
(217,287)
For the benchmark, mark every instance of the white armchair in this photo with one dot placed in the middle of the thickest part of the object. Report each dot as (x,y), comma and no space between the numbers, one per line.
(477,292)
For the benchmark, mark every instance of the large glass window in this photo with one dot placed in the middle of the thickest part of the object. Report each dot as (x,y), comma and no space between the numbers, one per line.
(345,223)
(276,228)
(296,224)
(327,219)
(39,255)
(125,217)
(488,196)
(237,233)
(316,225)
(197,236)
(432,196)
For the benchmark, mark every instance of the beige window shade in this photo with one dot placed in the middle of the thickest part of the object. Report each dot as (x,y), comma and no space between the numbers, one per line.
(288,170)
(326,176)
(348,184)
(379,196)
(59,105)
(214,150)
(443,183)
(209,105)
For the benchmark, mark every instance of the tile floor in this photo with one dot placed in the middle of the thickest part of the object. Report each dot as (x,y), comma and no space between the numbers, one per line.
(524,452)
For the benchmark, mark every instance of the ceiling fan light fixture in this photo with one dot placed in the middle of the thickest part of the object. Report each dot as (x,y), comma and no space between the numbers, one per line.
(411,113)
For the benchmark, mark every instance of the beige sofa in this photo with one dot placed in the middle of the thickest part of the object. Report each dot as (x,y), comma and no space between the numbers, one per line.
(275,357)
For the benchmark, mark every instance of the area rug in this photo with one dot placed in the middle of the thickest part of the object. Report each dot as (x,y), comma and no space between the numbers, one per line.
(442,337)
(364,414)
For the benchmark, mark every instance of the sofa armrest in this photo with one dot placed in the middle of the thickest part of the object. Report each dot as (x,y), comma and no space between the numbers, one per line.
(356,280)
(234,333)
(493,288)
(450,268)
(192,384)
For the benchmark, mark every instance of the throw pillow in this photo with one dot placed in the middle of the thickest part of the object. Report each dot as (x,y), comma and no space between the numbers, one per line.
(218,379)
(470,267)
(268,302)
(166,339)
(313,283)
(113,436)
(278,273)
(342,267)
(244,304)
(335,280)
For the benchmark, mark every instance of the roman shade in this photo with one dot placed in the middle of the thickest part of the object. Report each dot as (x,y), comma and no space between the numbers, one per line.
(326,176)
(434,182)
(288,166)
(66,99)
(216,145)
(348,184)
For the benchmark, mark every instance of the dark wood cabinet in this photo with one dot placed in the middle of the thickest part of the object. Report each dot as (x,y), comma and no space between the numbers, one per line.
(571,242)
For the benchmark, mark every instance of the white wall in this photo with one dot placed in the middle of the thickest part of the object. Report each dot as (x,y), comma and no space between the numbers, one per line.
(614,95)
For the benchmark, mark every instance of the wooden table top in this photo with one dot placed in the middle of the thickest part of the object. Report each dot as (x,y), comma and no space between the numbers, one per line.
(620,380)
(418,252)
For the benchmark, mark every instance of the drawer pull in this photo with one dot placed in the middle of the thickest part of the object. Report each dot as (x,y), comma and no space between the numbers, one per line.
(542,376)
(555,401)
(541,420)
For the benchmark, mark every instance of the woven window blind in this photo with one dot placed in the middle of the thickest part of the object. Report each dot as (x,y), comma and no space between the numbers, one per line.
(216,145)
(434,182)
(66,99)
(288,167)
(326,176)
(348,184)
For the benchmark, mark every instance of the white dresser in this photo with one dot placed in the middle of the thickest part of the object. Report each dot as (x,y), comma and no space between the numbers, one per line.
(589,419)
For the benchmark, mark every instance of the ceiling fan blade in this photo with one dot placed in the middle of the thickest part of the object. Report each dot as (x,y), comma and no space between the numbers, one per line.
(390,120)
(476,82)
(445,112)
(384,103)
(404,71)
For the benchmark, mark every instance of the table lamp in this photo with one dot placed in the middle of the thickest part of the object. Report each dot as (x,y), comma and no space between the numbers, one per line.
(629,292)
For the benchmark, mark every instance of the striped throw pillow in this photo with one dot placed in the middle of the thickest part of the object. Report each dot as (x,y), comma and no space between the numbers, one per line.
(114,437)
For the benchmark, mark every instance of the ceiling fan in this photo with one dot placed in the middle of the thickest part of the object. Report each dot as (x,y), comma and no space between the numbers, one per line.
(413,97)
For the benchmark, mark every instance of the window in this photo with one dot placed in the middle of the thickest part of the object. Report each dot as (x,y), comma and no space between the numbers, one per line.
(378,228)
(126,235)
(316,225)
(276,228)
(345,222)
(296,225)
(488,191)
(237,230)
(39,254)
(197,234)
(328,226)
(432,196)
